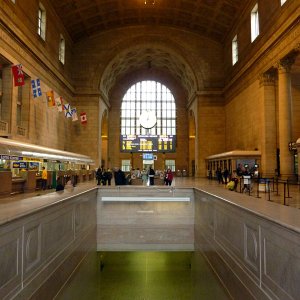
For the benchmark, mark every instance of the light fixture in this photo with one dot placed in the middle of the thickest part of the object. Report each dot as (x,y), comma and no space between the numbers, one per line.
(149,2)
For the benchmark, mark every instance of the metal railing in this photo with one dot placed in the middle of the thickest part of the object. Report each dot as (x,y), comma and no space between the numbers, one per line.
(274,190)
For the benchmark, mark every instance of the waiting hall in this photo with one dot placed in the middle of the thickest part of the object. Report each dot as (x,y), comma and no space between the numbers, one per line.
(149,149)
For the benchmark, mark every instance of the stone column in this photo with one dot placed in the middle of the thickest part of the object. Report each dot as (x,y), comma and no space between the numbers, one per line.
(268,126)
(285,116)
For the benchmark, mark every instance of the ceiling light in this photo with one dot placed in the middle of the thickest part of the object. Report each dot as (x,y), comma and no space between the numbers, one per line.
(149,2)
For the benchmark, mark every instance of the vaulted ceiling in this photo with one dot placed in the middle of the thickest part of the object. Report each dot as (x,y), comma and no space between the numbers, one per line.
(210,18)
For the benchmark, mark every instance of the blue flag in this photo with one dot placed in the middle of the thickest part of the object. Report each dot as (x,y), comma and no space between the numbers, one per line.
(36,88)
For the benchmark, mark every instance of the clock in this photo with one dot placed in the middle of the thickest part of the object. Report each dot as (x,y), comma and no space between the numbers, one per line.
(148,119)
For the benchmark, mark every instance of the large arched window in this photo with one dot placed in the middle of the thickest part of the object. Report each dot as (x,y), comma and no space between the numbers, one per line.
(148,96)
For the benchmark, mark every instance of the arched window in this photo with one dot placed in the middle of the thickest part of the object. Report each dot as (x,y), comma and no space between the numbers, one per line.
(148,96)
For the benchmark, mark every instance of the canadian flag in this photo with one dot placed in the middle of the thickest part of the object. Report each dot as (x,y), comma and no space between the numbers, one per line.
(83,118)
(18,75)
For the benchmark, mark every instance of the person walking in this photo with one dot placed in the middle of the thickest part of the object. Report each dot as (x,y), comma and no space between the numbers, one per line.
(44,178)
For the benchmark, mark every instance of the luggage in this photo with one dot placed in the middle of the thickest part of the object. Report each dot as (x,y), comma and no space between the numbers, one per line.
(230,185)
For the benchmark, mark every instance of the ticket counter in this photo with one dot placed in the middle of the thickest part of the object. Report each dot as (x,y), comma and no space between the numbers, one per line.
(21,167)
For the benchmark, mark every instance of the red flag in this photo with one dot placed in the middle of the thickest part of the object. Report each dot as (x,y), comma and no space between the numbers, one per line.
(18,75)
(83,118)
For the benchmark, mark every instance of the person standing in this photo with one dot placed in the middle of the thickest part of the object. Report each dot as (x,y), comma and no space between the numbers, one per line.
(109,176)
(151,176)
(104,177)
(219,175)
(225,175)
(144,177)
(44,178)
(120,178)
(169,177)
(99,175)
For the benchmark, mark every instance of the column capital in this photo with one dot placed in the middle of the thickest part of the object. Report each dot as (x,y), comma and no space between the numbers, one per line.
(267,78)
(285,64)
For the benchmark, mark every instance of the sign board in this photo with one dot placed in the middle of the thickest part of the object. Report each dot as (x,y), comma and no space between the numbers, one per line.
(148,143)
(19,165)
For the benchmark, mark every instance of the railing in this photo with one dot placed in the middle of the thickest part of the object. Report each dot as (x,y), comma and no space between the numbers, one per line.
(286,192)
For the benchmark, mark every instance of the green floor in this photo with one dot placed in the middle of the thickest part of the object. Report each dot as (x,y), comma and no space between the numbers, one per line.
(143,276)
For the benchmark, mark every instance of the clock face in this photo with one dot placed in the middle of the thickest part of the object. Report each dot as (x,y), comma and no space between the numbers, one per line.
(148,119)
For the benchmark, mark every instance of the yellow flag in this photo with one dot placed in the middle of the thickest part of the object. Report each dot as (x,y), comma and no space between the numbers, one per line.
(50,99)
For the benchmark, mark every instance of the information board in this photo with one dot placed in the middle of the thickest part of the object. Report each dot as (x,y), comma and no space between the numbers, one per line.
(148,143)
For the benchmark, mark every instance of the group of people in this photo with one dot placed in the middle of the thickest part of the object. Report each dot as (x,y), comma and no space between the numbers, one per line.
(103,176)
(232,180)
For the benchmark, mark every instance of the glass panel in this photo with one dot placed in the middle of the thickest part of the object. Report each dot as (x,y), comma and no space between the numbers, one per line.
(148,95)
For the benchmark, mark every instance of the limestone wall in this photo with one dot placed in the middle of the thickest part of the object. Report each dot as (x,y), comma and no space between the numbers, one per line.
(145,225)
(20,44)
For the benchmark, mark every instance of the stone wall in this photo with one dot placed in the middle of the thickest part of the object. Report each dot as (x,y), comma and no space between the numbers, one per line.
(145,225)
(41,250)
(20,44)
(255,257)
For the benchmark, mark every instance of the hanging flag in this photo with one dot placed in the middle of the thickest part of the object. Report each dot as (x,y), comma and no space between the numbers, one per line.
(36,88)
(74,114)
(50,99)
(18,75)
(68,110)
(83,118)
(59,104)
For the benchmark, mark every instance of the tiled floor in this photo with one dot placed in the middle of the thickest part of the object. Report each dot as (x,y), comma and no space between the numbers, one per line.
(144,276)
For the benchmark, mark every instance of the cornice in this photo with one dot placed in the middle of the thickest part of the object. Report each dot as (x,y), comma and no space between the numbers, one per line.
(205,93)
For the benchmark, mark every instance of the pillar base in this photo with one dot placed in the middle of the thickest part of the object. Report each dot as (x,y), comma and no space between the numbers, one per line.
(290,177)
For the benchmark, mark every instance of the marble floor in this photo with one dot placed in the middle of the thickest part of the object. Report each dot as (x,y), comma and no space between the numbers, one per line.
(143,276)
(19,204)
(288,195)
(280,193)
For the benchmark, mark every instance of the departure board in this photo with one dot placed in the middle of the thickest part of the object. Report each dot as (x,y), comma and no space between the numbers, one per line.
(148,143)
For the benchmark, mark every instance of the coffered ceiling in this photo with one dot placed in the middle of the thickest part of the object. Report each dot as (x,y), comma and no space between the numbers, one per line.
(210,18)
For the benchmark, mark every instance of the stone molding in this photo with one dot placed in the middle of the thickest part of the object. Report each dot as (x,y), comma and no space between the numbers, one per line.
(268,78)
(286,63)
